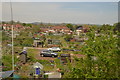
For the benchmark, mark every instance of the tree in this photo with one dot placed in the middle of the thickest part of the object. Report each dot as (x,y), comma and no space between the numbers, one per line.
(18,22)
(102,56)
(29,25)
(70,26)
(24,24)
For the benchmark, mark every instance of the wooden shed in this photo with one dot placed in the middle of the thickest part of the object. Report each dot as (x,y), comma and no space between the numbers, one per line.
(53,43)
(6,74)
(38,43)
(37,68)
(23,57)
(65,58)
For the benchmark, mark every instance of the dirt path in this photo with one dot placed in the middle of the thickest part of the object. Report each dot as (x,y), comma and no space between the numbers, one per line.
(35,48)
(77,55)
(37,56)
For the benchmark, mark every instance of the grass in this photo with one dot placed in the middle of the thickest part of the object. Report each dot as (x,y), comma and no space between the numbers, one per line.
(31,53)
(48,67)
(64,43)
(7,61)
(58,63)
(0,35)
(46,64)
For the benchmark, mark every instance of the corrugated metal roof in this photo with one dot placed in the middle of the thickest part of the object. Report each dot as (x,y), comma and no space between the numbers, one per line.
(24,52)
(6,74)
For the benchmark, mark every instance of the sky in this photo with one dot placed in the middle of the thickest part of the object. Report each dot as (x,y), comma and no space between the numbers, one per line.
(60,0)
(62,12)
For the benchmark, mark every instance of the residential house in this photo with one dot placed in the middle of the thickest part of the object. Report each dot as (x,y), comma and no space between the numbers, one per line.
(82,29)
(79,30)
(16,27)
(6,27)
(56,29)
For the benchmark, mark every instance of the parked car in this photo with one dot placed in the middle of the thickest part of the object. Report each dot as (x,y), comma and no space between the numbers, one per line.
(48,53)
(54,49)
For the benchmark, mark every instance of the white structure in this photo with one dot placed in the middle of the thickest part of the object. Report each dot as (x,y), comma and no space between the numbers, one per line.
(37,65)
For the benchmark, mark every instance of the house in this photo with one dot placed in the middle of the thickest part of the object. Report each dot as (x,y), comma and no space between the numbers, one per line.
(56,30)
(16,27)
(6,27)
(82,29)
(79,30)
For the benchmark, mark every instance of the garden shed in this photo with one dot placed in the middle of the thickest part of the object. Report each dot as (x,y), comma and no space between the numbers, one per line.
(6,74)
(37,69)
(23,57)
(65,58)
(38,43)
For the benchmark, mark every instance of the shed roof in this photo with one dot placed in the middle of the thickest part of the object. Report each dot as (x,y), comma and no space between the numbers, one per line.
(37,65)
(65,55)
(6,74)
(24,52)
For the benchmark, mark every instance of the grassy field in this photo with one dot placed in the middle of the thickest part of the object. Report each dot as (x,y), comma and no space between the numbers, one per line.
(32,54)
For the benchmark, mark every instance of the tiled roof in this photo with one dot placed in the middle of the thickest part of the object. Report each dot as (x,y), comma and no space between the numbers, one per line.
(56,28)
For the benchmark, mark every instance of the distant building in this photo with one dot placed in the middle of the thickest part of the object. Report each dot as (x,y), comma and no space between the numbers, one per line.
(16,27)
(79,30)
(56,30)
(6,26)
(82,29)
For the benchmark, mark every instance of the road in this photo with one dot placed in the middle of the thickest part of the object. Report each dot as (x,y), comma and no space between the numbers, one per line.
(34,48)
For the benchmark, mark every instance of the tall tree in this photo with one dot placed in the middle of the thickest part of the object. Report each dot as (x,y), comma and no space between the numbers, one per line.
(102,56)
(70,26)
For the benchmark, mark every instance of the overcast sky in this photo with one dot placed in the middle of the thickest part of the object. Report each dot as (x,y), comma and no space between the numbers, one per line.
(60,0)
(62,12)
